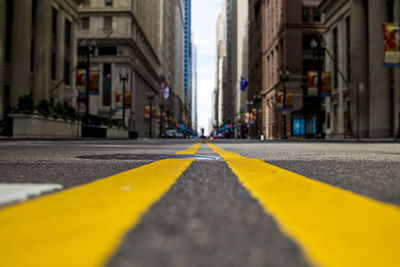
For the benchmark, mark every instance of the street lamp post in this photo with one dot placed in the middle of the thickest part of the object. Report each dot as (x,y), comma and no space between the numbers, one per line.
(256,101)
(150,97)
(241,122)
(319,51)
(249,104)
(88,50)
(284,77)
(123,78)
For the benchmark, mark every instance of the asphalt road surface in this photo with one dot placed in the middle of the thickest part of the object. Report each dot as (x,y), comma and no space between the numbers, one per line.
(182,203)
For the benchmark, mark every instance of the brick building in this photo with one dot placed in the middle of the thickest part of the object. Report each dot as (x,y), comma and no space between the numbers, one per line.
(288,28)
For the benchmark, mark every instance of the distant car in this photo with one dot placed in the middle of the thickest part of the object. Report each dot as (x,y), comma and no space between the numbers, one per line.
(171,134)
(179,135)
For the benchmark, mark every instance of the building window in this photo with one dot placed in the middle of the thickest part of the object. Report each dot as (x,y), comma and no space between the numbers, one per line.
(108,2)
(107,50)
(8,30)
(348,53)
(311,14)
(54,45)
(33,27)
(106,84)
(85,23)
(67,55)
(107,24)
(335,57)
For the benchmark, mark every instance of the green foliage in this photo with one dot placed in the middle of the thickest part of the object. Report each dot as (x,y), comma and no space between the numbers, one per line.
(71,112)
(60,111)
(44,107)
(25,104)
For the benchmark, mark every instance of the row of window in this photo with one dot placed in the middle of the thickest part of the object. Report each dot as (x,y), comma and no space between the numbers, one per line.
(54,36)
(107,23)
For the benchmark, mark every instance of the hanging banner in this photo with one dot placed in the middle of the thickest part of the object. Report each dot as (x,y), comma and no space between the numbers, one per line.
(312,83)
(146,112)
(289,101)
(94,82)
(279,100)
(246,117)
(128,99)
(153,111)
(118,99)
(391,34)
(326,84)
(80,83)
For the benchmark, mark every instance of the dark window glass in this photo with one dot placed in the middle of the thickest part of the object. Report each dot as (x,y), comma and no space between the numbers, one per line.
(67,67)
(107,51)
(307,42)
(106,84)
(107,24)
(348,65)
(108,2)
(67,32)
(85,23)
(316,15)
(67,50)
(53,72)
(335,57)
(306,15)
(8,30)
(54,21)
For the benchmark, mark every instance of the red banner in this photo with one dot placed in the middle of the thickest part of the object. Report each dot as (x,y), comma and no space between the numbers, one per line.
(391,34)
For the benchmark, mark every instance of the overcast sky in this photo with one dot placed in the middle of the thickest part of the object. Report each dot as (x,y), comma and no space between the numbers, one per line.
(204,24)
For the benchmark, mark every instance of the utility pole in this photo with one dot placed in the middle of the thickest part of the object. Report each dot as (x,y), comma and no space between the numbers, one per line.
(123,78)
(150,97)
(284,77)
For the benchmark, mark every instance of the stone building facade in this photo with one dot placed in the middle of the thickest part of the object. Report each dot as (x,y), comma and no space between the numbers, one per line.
(288,28)
(256,30)
(366,98)
(220,78)
(127,37)
(38,48)
(239,62)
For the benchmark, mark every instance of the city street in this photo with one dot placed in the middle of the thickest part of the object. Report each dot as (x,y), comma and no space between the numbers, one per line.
(193,203)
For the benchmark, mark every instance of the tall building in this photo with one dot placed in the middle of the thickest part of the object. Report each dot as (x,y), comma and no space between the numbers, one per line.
(288,31)
(239,61)
(188,62)
(365,99)
(172,50)
(228,96)
(221,63)
(38,48)
(179,58)
(127,43)
(255,66)
(194,88)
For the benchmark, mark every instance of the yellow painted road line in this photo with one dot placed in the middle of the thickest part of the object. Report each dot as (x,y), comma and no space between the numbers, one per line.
(83,226)
(333,227)
(191,150)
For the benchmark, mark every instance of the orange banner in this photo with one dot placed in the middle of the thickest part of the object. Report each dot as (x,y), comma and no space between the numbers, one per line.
(391,34)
